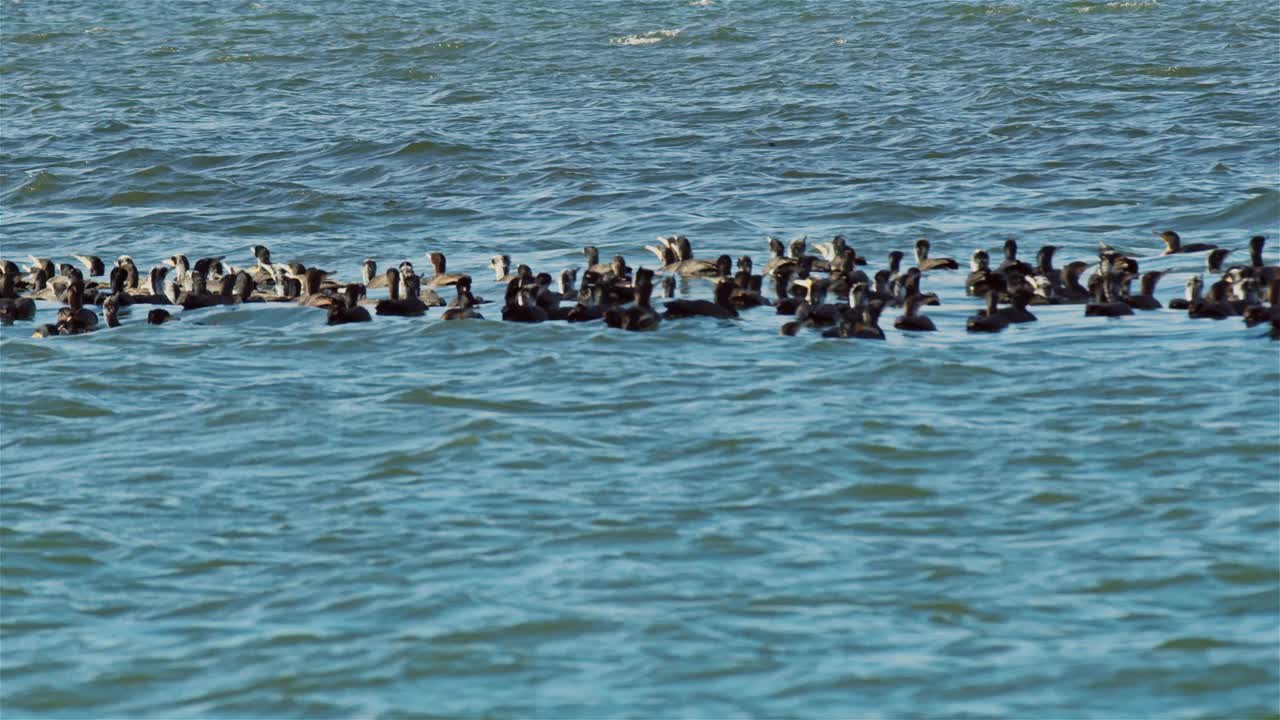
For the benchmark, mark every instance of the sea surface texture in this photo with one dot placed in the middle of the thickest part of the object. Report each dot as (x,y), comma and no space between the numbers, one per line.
(250,514)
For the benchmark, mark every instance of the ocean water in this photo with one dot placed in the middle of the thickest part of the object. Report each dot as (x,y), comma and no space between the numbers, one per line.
(250,514)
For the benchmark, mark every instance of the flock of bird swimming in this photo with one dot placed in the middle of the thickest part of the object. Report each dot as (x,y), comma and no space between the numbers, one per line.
(828,291)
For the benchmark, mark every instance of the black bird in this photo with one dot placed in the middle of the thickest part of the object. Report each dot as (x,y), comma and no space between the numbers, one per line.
(801,320)
(1146,299)
(111,310)
(349,311)
(263,271)
(198,296)
(394,305)
(980,271)
(1011,259)
(1105,298)
(1173,244)
(159,316)
(641,315)
(13,307)
(75,318)
(1265,273)
(206,265)
(1214,306)
(156,296)
(1195,286)
(862,323)
(778,260)
(1072,292)
(462,306)
(1258,314)
(1018,312)
(895,266)
(592,255)
(131,268)
(910,320)
(785,303)
(745,293)
(722,307)
(520,307)
(988,320)
(1044,267)
(925,263)
(1213,261)
(116,284)
(669,286)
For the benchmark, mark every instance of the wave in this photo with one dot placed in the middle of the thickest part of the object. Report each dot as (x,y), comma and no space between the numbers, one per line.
(1254,214)
(257,58)
(648,38)
(430,148)
(39,182)
(1117,6)
(37,38)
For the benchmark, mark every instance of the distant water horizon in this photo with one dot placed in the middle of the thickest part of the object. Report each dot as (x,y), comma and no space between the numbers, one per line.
(249,513)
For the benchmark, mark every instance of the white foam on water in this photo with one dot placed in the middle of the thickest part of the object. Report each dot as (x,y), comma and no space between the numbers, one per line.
(1121,5)
(648,38)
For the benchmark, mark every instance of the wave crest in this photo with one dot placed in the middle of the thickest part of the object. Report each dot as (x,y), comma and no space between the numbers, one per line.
(648,38)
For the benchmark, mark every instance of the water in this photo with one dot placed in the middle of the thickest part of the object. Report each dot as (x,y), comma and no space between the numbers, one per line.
(247,513)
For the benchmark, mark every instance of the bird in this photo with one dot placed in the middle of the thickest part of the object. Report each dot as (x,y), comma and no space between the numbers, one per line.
(592,255)
(980,269)
(1146,299)
(440,278)
(501,265)
(835,249)
(1011,259)
(462,308)
(778,260)
(1173,244)
(1266,273)
(1194,288)
(520,306)
(721,307)
(198,296)
(792,327)
(349,311)
(394,304)
(924,262)
(159,316)
(111,310)
(641,315)
(911,320)
(1017,312)
(371,278)
(988,320)
(312,292)
(1105,301)
(862,323)
(1213,261)
(688,265)
(263,271)
(92,263)
(13,307)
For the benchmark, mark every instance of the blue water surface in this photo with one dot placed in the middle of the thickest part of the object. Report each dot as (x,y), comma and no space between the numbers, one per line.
(249,514)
